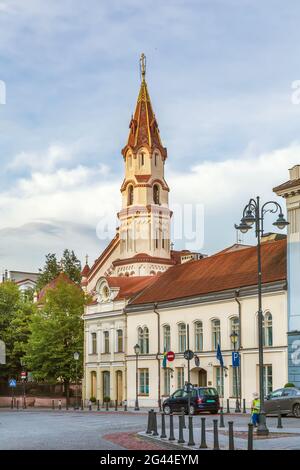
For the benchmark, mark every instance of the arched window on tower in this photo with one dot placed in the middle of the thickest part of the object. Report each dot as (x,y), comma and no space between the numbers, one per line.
(156,194)
(130,195)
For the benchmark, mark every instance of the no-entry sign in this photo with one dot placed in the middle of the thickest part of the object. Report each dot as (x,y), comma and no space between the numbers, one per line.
(170,356)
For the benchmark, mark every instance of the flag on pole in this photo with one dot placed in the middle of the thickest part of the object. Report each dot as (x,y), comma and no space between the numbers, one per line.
(164,362)
(219,356)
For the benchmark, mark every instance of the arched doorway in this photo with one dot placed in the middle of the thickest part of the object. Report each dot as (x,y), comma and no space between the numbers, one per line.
(93,384)
(119,387)
(202,378)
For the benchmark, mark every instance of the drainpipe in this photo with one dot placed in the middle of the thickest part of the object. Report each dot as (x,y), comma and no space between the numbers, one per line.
(125,360)
(236,298)
(158,352)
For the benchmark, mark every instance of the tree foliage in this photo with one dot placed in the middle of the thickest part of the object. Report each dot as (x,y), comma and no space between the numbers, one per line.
(56,333)
(69,264)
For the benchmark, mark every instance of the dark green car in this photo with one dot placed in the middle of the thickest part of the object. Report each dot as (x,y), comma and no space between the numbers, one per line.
(287,400)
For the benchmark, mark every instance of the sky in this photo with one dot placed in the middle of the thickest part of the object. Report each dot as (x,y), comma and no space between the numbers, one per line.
(222,77)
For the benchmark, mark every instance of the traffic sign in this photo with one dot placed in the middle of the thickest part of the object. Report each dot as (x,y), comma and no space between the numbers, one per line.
(235,359)
(171,356)
(197,361)
(188,354)
(23,375)
(12,383)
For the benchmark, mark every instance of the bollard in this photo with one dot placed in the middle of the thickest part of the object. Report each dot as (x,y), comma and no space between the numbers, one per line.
(59,404)
(17,404)
(116,405)
(230,433)
(67,405)
(98,405)
(250,436)
(106,405)
(244,406)
(172,437)
(228,408)
(125,406)
(183,418)
(222,425)
(149,424)
(191,432)
(163,426)
(12,403)
(279,421)
(180,435)
(216,436)
(154,421)
(53,407)
(203,444)
(90,406)
(82,407)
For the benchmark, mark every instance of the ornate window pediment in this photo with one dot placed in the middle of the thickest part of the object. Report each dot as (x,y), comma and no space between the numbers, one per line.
(104,292)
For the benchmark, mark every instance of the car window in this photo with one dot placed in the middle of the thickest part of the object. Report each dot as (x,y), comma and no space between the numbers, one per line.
(208,391)
(276,393)
(289,392)
(178,393)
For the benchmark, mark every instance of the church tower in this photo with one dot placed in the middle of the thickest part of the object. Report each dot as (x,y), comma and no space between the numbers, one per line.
(145,215)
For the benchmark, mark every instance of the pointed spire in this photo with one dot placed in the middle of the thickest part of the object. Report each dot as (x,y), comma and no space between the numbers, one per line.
(143,125)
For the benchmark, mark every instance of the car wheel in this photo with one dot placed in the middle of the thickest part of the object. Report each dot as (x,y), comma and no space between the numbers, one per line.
(167,409)
(296,410)
(192,410)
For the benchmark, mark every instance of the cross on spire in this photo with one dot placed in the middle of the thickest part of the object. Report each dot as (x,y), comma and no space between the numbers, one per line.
(143,66)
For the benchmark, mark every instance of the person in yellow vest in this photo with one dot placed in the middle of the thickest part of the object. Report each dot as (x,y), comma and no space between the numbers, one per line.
(255,409)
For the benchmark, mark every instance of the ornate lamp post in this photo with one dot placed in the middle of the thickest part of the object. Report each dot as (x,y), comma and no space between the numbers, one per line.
(76,358)
(137,352)
(234,339)
(253,215)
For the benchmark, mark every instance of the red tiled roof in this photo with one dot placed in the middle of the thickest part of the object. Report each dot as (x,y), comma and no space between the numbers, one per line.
(52,284)
(85,271)
(227,270)
(130,286)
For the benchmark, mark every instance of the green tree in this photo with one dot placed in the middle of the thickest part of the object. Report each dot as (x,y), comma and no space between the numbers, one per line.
(71,266)
(49,272)
(56,333)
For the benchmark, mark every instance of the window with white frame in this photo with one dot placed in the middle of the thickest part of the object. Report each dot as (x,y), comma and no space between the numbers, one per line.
(235,329)
(267,329)
(167,337)
(144,381)
(182,337)
(106,342)
(94,343)
(219,380)
(143,340)
(267,379)
(216,334)
(167,381)
(180,377)
(119,340)
(199,336)
(235,382)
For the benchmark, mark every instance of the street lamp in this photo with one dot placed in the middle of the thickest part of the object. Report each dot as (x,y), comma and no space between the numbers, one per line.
(234,339)
(76,358)
(137,352)
(253,215)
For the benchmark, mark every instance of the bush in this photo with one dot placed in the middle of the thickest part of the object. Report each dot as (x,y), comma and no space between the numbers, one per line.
(93,399)
(106,399)
(289,384)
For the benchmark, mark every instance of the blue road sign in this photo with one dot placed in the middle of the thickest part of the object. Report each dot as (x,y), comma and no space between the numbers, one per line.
(12,383)
(235,359)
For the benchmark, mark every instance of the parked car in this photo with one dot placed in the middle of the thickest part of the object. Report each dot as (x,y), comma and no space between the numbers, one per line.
(287,400)
(201,399)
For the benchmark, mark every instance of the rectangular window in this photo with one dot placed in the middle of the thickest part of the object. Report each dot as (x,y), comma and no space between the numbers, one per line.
(94,343)
(180,377)
(167,380)
(268,379)
(106,342)
(144,381)
(219,381)
(235,382)
(119,340)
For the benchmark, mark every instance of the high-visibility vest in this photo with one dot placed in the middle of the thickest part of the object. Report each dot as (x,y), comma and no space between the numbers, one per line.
(256,405)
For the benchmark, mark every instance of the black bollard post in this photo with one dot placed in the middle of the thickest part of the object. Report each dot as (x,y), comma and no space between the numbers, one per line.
(250,436)
(12,403)
(149,424)
(191,432)
(154,428)
(172,437)
(106,405)
(244,406)
(98,405)
(230,433)
(203,444)
(180,437)
(59,404)
(67,405)
(279,421)
(116,405)
(228,408)
(216,436)
(17,404)
(125,405)
(183,417)
(222,425)
(82,407)
(163,426)
(53,407)
(90,406)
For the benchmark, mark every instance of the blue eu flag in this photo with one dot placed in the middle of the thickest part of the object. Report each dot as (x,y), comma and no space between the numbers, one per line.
(219,356)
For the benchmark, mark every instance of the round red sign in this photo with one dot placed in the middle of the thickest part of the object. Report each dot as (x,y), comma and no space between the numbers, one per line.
(170,356)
